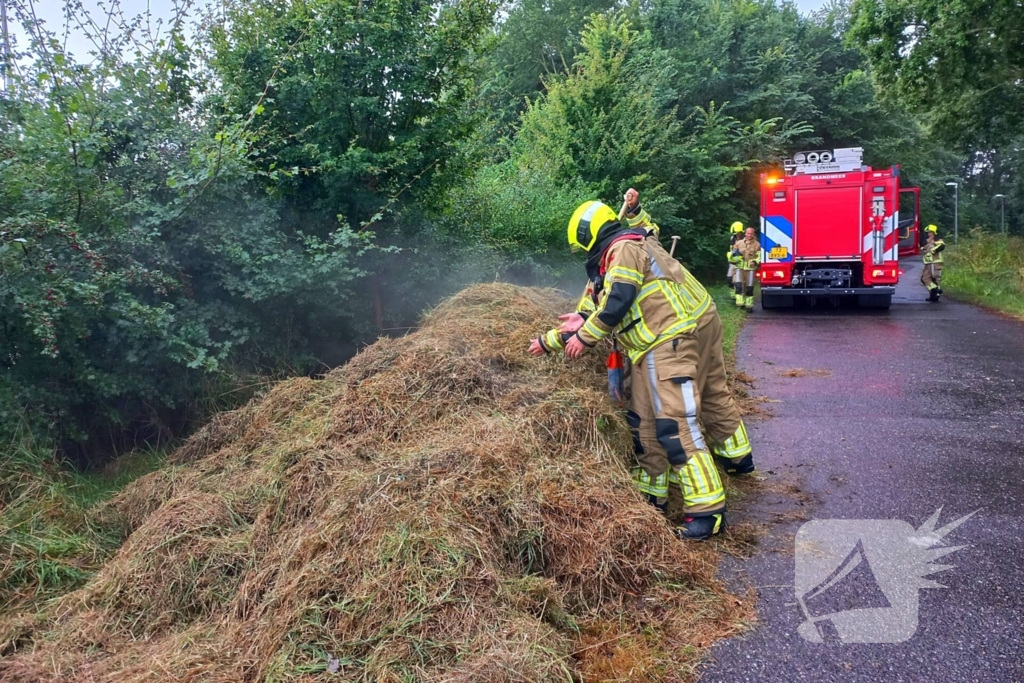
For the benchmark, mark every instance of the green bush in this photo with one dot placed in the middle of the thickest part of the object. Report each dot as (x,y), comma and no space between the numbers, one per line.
(988,269)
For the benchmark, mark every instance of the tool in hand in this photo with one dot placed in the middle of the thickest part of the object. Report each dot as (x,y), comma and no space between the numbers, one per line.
(672,249)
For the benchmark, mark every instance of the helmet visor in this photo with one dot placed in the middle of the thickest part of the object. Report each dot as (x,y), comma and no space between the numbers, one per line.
(584,235)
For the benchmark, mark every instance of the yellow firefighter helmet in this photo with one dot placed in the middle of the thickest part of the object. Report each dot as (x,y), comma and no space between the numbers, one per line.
(932,228)
(586,222)
(737,227)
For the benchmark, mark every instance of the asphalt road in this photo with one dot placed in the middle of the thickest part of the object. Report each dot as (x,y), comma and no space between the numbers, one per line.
(900,413)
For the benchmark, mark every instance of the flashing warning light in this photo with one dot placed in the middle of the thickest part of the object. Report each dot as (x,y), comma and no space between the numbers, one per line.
(771,180)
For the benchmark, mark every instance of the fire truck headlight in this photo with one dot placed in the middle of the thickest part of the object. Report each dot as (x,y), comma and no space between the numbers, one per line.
(779,273)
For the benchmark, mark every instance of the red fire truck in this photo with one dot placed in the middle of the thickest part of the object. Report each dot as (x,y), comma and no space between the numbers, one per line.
(831,229)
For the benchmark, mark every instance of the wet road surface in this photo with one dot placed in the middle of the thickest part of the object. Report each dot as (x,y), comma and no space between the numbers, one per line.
(883,416)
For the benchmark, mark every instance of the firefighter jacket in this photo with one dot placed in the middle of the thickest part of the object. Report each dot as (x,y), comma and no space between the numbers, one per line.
(636,217)
(748,254)
(696,299)
(640,298)
(736,238)
(933,251)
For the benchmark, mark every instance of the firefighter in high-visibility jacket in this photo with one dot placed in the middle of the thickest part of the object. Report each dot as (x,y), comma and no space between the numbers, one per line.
(746,256)
(931,275)
(638,296)
(723,427)
(736,235)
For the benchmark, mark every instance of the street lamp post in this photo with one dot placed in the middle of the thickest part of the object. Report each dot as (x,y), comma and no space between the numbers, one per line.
(956,211)
(1002,212)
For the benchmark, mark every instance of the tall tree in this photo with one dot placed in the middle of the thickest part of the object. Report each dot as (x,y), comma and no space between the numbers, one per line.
(962,61)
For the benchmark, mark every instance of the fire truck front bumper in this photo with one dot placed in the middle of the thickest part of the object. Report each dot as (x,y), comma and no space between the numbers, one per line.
(826,291)
(865,297)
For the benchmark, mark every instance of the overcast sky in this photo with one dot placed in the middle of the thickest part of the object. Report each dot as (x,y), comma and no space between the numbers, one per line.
(51,11)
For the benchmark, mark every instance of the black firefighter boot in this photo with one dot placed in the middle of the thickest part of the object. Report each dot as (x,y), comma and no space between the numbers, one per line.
(744,465)
(933,294)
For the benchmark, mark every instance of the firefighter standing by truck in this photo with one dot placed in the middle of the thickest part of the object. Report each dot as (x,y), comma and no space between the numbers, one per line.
(746,256)
(638,296)
(736,235)
(931,275)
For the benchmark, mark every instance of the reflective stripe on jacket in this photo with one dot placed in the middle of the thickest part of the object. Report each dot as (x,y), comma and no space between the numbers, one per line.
(655,306)
(933,251)
(749,254)
(642,219)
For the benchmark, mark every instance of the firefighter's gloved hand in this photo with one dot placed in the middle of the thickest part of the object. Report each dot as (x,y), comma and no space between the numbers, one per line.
(571,322)
(575,347)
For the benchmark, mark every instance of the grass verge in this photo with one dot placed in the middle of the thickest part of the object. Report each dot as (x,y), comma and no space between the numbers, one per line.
(988,270)
(51,544)
(732,317)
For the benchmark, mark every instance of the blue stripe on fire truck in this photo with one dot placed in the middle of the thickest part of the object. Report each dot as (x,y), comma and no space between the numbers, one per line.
(776,239)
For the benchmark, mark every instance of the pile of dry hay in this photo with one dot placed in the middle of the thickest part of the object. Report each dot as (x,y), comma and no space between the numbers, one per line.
(442,508)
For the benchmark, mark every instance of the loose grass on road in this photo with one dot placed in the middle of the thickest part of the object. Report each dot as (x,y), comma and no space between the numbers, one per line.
(988,270)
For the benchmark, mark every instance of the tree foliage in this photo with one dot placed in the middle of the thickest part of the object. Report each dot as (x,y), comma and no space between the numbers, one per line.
(962,61)
(172,221)
(960,64)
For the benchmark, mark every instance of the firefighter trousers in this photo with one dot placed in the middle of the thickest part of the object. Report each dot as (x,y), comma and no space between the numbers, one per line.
(723,427)
(670,448)
(744,284)
(931,275)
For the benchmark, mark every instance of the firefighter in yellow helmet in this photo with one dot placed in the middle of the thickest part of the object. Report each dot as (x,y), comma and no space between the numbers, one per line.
(726,434)
(637,294)
(746,256)
(736,235)
(931,275)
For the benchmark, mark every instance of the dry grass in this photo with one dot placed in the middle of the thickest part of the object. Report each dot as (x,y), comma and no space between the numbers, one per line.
(442,508)
(741,384)
(801,372)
